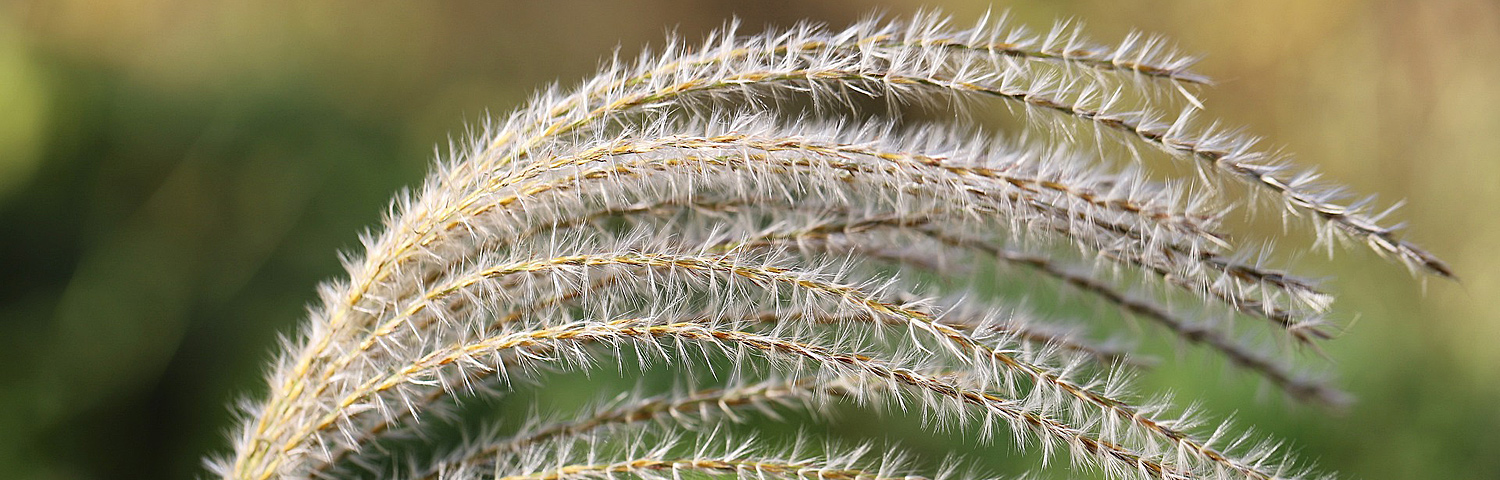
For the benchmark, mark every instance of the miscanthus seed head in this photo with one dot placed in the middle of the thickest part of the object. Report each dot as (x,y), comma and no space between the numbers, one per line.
(726,210)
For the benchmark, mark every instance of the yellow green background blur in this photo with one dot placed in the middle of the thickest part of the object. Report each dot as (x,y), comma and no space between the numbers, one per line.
(177,175)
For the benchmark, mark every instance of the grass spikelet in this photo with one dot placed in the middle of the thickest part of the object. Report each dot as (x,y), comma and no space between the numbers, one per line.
(674,215)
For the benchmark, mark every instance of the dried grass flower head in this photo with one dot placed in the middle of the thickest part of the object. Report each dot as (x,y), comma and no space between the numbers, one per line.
(763,216)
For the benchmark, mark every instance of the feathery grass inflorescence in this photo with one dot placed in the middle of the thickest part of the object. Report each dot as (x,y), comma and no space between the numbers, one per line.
(718,211)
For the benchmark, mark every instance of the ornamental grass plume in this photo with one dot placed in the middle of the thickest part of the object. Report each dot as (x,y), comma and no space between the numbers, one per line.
(772,219)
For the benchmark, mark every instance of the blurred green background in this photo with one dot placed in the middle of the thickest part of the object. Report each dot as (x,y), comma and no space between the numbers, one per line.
(177,175)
